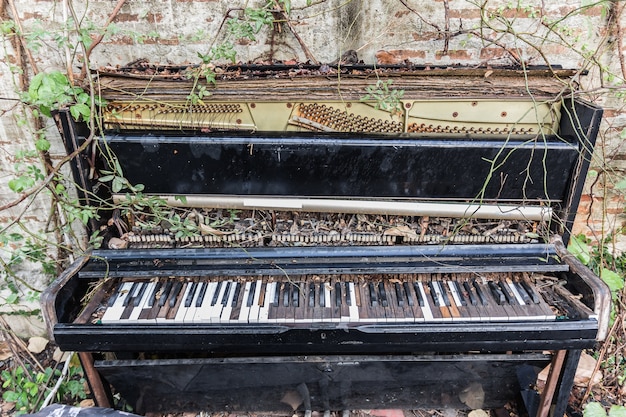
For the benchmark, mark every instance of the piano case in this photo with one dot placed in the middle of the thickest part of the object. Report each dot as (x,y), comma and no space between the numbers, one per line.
(457,300)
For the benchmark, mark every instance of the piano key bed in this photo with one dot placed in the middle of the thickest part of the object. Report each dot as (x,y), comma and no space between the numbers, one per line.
(342,299)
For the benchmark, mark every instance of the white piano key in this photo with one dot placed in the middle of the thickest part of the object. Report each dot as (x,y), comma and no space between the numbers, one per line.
(228,308)
(428,315)
(264,312)
(182,311)
(216,309)
(113,313)
(455,294)
(143,303)
(353,308)
(203,313)
(253,314)
(516,293)
(245,309)
(440,302)
(192,309)
(328,303)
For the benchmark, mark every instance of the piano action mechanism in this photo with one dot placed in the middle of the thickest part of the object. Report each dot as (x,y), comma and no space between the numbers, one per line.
(307,249)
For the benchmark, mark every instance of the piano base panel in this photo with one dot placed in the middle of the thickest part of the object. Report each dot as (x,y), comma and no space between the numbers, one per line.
(320,382)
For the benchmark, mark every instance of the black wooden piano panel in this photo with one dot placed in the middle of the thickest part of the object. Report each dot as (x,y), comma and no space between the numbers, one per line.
(317,339)
(330,382)
(348,167)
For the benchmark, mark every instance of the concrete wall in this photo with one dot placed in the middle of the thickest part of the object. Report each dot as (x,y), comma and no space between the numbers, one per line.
(440,32)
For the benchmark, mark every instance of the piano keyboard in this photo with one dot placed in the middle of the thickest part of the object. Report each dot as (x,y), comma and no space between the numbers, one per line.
(407,298)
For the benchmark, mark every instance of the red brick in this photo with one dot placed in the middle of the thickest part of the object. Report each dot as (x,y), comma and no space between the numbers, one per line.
(154,17)
(492,53)
(126,17)
(464,14)
(457,55)
(398,56)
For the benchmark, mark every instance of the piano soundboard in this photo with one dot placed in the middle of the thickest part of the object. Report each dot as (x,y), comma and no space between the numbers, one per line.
(288,241)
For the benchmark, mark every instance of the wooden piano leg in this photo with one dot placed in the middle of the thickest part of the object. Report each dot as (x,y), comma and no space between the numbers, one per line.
(567,382)
(101,395)
(560,381)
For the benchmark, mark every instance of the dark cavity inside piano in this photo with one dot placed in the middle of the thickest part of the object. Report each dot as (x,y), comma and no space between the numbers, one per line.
(296,245)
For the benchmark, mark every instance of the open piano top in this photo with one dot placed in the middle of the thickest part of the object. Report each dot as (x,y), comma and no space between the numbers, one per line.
(292,215)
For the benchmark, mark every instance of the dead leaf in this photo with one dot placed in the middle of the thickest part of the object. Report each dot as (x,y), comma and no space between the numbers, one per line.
(5,352)
(37,344)
(206,230)
(473,396)
(488,73)
(60,356)
(87,403)
(585,368)
(404,231)
(478,413)
(293,399)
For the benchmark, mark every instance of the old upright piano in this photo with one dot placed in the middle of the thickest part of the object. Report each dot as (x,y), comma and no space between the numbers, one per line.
(318,238)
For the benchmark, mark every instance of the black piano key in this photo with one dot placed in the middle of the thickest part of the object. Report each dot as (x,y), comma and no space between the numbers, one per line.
(497,294)
(131,294)
(115,294)
(227,291)
(348,296)
(311,294)
(399,294)
(444,293)
(433,293)
(533,295)
(237,301)
(140,293)
(373,295)
(383,295)
(479,292)
(190,294)
(522,292)
(176,299)
(166,292)
(201,293)
(216,294)
(470,293)
(459,291)
(295,295)
(510,298)
(286,294)
(338,294)
(155,291)
(322,296)
(174,293)
(418,294)
(407,291)
(276,300)
(250,300)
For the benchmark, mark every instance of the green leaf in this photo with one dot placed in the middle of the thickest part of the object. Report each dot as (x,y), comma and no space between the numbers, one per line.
(42,145)
(579,248)
(621,185)
(118,184)
(612,279)
(106,178)
(617,411)
(181,198)
(594,410)
(13,298)
(10,396)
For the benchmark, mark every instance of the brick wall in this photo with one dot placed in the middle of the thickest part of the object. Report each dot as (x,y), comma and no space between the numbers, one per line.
(440,32)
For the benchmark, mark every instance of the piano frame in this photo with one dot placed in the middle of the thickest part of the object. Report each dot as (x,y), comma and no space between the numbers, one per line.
(206,355)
